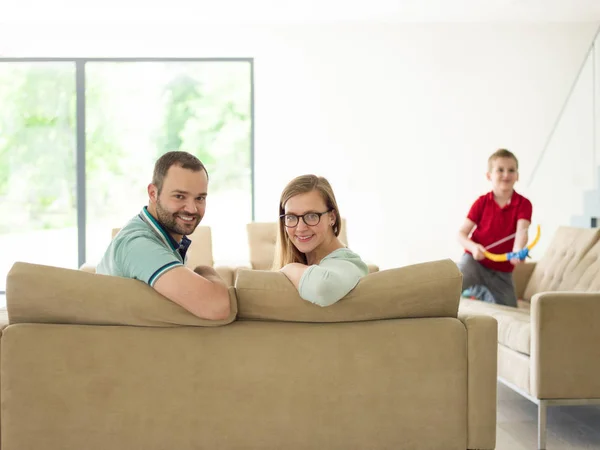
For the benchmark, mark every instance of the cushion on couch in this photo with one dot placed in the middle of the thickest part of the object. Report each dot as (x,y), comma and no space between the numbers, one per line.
(44,294)
(585,275)
(262,239)
(430,289)
(567,248)
(514,324)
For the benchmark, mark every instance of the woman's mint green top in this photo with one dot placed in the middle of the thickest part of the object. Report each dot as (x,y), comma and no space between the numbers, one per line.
(335,276)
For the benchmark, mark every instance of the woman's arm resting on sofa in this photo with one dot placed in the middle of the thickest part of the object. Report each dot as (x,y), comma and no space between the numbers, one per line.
(294,272)
(325,286)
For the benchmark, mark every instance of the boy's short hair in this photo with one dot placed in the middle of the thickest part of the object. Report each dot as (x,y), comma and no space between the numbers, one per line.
(501,153)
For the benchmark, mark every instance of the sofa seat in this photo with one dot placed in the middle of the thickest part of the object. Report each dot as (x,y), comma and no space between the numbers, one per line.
(514,325)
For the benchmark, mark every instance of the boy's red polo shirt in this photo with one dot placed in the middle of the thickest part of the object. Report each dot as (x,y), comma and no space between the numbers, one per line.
(495,223)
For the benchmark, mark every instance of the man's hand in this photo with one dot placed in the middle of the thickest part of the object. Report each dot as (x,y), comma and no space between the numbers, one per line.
(204,271)
(209,273)
(478,251)
(203,294)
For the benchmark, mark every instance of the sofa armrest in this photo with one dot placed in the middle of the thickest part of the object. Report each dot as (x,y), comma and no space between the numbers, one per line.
(521,276)
(565,355)
(482,351)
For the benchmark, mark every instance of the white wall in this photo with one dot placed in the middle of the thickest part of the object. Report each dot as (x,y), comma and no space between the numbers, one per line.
(401,118)
(565,188)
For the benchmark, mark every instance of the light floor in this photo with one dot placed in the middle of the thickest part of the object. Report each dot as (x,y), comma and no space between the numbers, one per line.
(569,427)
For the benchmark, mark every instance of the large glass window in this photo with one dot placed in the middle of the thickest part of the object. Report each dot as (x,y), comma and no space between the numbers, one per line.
(37,165)
(134,111)
(137,111)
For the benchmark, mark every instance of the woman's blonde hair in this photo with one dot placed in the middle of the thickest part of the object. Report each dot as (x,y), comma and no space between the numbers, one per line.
(285,251)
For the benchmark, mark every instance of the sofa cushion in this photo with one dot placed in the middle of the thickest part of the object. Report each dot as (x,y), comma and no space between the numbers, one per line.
(44,294)
(3,319)
(514,367)
(430,289)
(567,248)
(585,275)
(262,238)
(514,325)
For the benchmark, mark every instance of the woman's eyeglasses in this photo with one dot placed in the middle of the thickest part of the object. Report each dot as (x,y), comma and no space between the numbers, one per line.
(311,219)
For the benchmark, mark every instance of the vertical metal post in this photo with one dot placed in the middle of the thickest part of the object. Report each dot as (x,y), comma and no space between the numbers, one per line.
(252,118)
(542,425)
(594,123)
(80,160)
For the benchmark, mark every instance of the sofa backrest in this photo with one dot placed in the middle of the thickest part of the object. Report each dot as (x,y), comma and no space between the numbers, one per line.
(44,294)
(585,275)
(200,252)
(262,239)
(567,248)
(430,289)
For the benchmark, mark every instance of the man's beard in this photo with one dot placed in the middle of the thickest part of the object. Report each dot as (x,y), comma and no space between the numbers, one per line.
(169,221)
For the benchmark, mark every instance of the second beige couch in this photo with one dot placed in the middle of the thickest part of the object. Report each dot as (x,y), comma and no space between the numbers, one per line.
(549,352)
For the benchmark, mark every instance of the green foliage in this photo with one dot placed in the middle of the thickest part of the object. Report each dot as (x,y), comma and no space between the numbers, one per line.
(202,108)
(208,115)
(36,141)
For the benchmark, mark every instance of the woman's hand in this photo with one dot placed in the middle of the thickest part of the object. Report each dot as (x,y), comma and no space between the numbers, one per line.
(294,272)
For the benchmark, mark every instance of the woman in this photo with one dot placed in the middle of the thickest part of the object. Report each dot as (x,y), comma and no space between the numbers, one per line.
(308,250)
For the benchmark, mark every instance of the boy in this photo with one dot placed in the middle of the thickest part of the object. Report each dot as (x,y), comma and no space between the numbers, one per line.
(496,215)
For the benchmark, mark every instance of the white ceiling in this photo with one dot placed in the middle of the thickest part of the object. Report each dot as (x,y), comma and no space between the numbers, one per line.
(300,11)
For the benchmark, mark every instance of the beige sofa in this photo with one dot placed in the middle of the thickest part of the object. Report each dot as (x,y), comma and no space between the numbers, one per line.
(96,362)
(550,351)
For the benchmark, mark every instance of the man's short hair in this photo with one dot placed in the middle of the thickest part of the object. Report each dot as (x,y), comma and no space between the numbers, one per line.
(501,153)
(184,160)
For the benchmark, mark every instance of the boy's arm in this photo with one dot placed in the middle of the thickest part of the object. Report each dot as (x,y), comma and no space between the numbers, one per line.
(521,235)
(464,240)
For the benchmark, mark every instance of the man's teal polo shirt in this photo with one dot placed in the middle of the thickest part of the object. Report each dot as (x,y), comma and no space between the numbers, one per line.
(143,250)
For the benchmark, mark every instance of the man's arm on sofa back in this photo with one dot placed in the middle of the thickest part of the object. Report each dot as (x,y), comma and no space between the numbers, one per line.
(202,292)
(44,294)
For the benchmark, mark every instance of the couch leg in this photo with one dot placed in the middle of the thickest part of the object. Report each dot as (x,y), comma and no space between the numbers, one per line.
(542,424)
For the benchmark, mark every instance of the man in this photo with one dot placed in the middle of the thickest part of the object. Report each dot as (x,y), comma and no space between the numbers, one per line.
(152,246)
